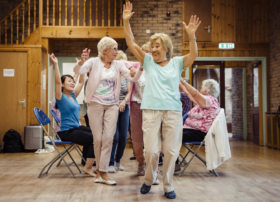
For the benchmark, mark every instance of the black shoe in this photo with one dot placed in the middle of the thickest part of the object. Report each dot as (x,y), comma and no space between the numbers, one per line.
(145,189)
(94,163)
(170,195)
(160,161)
(132,158)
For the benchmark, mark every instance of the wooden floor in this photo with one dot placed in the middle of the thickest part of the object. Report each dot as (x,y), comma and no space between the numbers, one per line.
(252,174)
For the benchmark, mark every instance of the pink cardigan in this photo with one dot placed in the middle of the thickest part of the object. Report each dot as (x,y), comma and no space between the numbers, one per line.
(96,65)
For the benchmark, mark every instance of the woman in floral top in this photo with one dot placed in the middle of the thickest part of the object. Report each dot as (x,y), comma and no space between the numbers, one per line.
(201,117)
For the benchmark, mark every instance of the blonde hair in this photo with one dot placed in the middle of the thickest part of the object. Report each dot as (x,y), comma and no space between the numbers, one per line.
(121,55)
(211,87)
(105,43)
(166,42)
(148,44)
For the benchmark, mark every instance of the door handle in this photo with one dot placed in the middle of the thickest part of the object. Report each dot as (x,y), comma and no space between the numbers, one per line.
(23,103)
(208,28)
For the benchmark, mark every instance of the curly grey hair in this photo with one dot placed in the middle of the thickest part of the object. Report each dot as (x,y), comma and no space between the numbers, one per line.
(211,87)
(105,43)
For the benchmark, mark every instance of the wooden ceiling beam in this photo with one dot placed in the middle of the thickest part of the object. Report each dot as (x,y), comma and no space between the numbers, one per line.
(81,32)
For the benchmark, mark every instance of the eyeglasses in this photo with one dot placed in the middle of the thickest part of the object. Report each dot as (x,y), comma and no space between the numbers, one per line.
(115,49)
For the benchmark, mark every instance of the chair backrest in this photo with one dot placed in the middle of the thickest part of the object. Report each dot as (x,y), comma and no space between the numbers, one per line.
(55,117)
(41,117)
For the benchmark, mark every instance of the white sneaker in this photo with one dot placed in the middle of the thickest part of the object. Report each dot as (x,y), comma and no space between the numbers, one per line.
(119,167)
(111,169)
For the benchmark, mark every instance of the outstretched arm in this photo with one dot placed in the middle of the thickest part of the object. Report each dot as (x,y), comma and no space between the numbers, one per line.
(191,29)
(58,93)
(84,65)
(183,89)
(135,49)
(197,96)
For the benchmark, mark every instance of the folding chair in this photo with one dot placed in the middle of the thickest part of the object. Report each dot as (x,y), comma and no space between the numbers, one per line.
(185,163)
(43,119)
(75,147)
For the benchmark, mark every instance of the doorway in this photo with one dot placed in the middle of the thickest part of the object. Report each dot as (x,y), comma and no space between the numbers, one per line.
(262,85)
(13,87)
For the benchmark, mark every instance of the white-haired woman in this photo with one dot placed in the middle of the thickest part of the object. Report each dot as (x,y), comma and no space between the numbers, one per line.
(102,96)
(201,117)
(161,103)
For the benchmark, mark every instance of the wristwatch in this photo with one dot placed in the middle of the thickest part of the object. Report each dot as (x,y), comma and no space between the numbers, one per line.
(184,82)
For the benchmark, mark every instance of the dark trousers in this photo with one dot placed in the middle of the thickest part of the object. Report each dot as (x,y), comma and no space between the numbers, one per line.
(191,135)
(120,137)
(86,119)
(81,136)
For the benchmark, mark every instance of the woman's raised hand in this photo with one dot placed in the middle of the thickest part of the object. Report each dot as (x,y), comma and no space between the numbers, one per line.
(127,11)
(84,56)
(192,26)
(54,59)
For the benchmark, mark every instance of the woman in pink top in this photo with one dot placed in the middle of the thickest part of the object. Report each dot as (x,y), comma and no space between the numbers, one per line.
(201,117)
(102,97)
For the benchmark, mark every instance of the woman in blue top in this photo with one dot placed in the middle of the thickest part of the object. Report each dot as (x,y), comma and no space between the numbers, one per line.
(161,103)
(70,130)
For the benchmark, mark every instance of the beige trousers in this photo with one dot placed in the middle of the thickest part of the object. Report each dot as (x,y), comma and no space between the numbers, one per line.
(169,141)
(103,122)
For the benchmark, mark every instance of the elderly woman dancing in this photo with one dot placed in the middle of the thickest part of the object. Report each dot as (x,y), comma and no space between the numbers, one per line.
(161,103)
(102,96)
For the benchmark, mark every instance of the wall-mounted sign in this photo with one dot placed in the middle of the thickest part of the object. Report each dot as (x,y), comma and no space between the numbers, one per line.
(226,45)
(8,72)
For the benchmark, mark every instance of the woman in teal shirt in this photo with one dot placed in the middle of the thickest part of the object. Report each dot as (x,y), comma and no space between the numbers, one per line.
(161,105)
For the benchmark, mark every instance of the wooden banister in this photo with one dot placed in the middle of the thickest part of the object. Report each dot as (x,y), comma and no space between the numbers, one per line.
(7,16)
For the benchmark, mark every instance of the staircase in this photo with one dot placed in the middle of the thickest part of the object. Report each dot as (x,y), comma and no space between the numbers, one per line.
(23,22)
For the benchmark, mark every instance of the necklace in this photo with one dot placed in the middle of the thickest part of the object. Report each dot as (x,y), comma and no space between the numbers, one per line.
(162,61)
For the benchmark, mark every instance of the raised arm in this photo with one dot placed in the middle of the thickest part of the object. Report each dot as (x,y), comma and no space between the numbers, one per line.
(80,85)
(135,49)
(58,93)
(183,89)
(191,29)
(197,96)
(84,65)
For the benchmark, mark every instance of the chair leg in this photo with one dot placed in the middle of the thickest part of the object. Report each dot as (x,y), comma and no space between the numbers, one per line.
(63,154)
(184,162)
(60,155)
(73,162)
(214,172)
(200,158)
(58,164)
(188,163)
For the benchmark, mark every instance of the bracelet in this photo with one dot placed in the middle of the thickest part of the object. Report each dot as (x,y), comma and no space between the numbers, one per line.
(184,82)
(125,99)
(192,39)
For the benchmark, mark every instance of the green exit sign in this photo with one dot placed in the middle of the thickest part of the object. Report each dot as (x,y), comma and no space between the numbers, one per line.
(226,45)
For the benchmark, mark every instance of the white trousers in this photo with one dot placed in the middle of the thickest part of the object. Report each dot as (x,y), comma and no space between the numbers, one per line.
(162,131)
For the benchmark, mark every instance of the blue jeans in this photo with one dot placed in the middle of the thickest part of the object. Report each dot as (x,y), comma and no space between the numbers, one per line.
(120,137)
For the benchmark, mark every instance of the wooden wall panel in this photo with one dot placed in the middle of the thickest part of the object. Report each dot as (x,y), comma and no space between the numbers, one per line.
(239,20)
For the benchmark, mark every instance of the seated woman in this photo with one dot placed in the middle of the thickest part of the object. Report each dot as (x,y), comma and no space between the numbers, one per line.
(201,117)
(185,98)
(70,130)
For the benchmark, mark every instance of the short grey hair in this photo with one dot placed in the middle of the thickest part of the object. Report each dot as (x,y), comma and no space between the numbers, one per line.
(211,87)
(105,43)
(166,43)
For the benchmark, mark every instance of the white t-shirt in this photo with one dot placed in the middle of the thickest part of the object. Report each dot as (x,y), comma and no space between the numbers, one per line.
(139,86)
(104,93)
